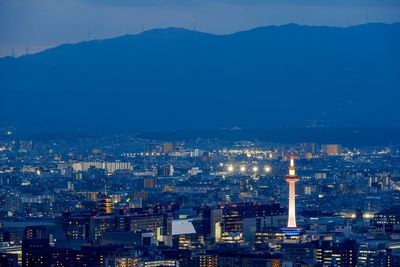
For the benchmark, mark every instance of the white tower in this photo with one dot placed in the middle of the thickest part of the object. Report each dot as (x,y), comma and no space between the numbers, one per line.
(292,179)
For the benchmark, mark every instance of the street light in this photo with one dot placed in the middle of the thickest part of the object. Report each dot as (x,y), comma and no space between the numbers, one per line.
(231,168)
(267,169)
(255,169)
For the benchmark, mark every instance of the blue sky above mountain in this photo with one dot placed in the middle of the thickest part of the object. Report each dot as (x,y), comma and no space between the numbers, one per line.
(30,25)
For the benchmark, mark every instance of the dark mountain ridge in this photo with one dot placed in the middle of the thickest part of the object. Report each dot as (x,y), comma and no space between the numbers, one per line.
(163,79)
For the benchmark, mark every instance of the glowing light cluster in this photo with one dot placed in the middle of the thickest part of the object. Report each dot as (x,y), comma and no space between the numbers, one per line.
(243,169)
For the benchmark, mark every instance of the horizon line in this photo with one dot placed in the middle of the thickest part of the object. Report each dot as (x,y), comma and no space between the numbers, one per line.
(196,31)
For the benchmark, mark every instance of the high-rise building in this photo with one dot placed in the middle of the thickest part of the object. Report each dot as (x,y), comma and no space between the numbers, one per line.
(332,149)
(292,179)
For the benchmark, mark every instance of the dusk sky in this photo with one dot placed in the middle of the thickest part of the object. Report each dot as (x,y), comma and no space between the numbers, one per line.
(47,23)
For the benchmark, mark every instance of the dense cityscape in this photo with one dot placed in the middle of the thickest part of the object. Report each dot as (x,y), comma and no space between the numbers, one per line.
(199,133)
(121,200)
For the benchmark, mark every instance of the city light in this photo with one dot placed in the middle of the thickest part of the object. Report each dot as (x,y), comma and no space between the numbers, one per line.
(127,151)
(231,168)
(255,169)
(267,169)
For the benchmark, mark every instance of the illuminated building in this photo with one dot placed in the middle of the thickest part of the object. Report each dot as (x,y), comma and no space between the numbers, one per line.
(233,221)
(35,252)
(334,253)
(99,225)
(183,233)
(332,149)
(320,175)
(123,261)
(76,227)
(205,260)
(195,153)
(149,182)
(62,257)
(365,251)
(160,263)
(105,206)
(267,236)
(35,232)
(244,258)
(110,167)
(216,224)
(307,190)
(292,179)
(159,224)
(388,219)
(383,258)
(194,171)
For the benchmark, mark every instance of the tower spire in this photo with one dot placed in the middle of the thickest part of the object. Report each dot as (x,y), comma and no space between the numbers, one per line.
(292,170)
(292,179)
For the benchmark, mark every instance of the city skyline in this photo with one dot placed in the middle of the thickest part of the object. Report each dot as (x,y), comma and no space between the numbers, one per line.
(199,133)
(126,201)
